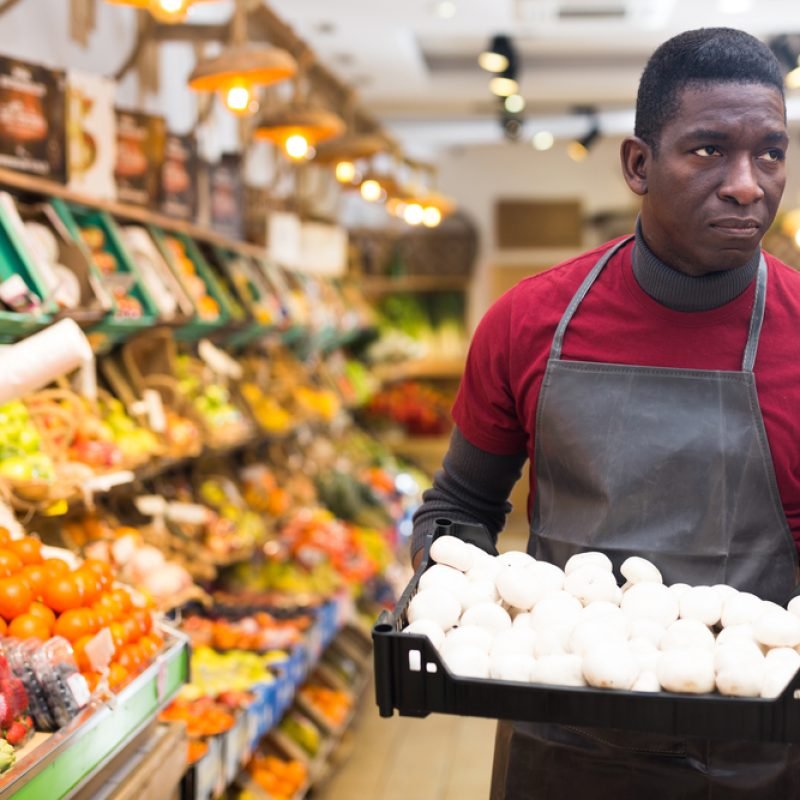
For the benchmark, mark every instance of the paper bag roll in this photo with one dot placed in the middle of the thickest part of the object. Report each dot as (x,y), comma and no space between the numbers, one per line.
(41,358)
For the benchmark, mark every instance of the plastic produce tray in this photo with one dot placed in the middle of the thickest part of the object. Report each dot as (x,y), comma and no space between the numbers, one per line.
(68,758)
(412,679)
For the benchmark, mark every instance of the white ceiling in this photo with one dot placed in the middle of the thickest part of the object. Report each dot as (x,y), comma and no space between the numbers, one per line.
(418,73)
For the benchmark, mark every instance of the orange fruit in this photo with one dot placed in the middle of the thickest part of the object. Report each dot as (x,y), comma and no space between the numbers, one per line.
(28,549)
(144,620)
(92,679)
(15,597)
(123,598)
(90,583)
(118,634)
(74,624)
(43,613)
(29,626)
(117,676)
(3,627)
(108,601)
(103,571)
(104,616)
(10,563)
(36,576)
(64,592)
(5,536)
(55,566)
(79,649)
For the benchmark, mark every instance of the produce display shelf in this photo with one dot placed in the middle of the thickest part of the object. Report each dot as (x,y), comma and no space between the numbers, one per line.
(57,765)
(412,679)
(444,368)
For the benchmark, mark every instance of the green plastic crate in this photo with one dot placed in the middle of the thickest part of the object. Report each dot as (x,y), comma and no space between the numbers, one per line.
(198,328)
(114,328)
(14,260)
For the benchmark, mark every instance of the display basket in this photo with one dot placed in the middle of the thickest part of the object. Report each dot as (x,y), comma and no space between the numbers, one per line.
(412,679)
(200,325)
(115,327)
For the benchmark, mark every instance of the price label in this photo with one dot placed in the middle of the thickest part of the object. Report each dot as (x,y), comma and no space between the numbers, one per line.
(156,418)
(187,513)
(151,505)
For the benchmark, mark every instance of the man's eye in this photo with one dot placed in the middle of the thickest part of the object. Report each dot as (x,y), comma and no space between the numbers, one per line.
(773,154)
(707,150)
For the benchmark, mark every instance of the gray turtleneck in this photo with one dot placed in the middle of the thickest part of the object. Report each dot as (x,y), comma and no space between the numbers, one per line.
(473,485)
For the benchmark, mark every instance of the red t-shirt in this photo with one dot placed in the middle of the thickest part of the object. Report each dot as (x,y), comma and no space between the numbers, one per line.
(618,322)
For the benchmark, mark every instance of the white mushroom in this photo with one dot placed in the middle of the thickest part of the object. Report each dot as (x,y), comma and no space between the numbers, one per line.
(724,591)
(437,605)
(741,608)
(651,600)
(646,654)
(592,584)
(440,576)
(467,661)
(794,606)
(777,628)
(548,579)
(646,682)
(588,633)
(610,665)
(646,628)
(516,585)
(591,558)
(429,628)
(678,589)
(687,633)
(478,590)
(511,667)
(559,670)
(557,609)
(517,641)
(640,570)
(601,608)
(777,673)
(452,552)
(487,615)
(470,635)
(551,642)
(784,655)
(736,652)
(512,558)
(690,671)
(741,679)
(701,603)
(522,620)
(734,632)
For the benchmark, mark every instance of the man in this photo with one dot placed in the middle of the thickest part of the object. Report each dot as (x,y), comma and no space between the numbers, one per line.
(655,386)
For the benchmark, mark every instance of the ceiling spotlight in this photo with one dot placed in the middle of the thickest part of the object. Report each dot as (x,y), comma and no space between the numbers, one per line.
(514,103)
(578,149)
(503,85)
(543,140)
(499,56)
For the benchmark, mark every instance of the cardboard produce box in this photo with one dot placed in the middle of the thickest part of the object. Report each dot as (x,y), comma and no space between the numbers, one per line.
(141,139)
(91,134)
(179,177)
(32,119)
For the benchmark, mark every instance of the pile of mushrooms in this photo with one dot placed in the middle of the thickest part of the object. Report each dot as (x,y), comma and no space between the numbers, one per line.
(511,617)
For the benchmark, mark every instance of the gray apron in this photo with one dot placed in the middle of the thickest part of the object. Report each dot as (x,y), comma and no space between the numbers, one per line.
(672,465)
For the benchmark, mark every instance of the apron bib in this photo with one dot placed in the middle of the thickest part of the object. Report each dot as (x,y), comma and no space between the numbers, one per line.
(672,465)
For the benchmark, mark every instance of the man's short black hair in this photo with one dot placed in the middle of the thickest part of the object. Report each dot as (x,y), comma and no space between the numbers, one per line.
(705,55)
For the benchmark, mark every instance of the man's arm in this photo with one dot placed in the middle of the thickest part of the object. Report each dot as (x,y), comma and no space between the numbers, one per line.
(472,486)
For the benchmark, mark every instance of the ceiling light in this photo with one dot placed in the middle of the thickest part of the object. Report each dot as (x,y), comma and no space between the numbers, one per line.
(371,190)
(241,65)
(414,214)
(578,149)
(499,56)
(431,217)
(502,86)
(543,140)
(350,147)
(514,103)
(345,172)
(445,9)
(296,146)
(313,125)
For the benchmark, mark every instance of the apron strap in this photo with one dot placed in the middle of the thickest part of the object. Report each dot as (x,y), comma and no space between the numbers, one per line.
(756,318)
(558,339)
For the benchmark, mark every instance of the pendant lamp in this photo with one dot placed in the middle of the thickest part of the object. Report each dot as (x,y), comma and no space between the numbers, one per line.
(169,11)
(297,129)
(242,66)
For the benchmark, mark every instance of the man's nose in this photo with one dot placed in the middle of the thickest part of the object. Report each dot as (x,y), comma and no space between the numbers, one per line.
(741,183)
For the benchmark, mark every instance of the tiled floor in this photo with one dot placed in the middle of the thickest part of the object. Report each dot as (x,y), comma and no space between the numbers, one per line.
(401,758)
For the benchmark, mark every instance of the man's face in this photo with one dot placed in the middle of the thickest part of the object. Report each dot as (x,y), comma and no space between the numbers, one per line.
(714,186)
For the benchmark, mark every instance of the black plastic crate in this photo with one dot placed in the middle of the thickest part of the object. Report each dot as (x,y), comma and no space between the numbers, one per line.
(412,679)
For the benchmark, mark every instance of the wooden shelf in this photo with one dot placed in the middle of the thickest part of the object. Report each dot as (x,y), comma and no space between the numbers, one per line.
(445,368)
(412,283)
(42,186)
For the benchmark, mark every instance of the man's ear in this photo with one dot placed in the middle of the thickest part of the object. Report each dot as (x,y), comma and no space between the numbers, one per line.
(635,155)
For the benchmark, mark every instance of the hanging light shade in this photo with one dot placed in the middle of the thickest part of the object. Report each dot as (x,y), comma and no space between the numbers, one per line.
(289,127)
(350,147)
(169,11)
(242,66)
